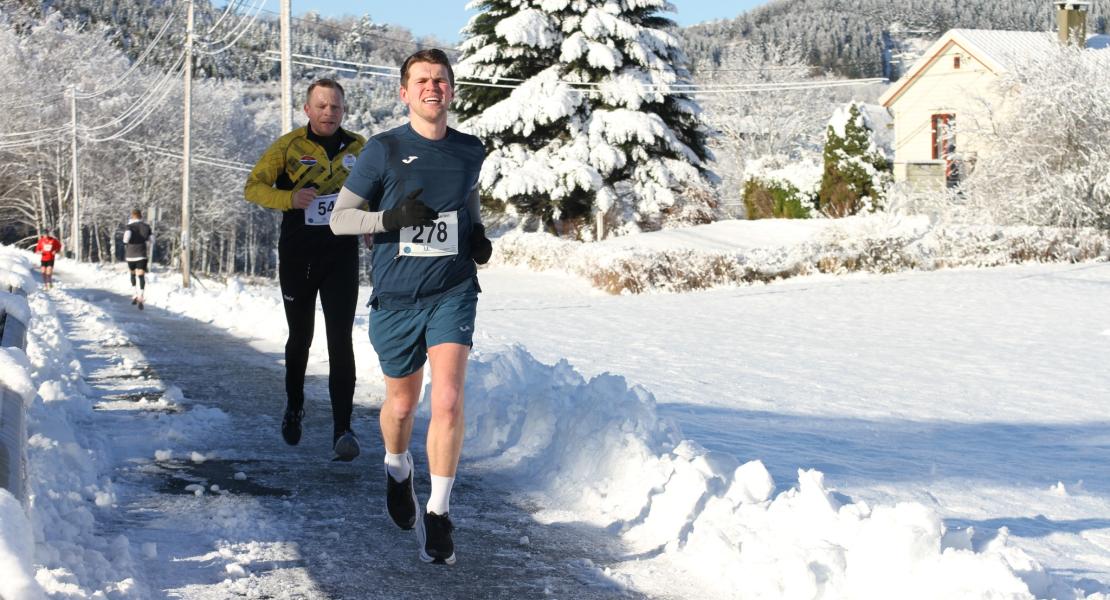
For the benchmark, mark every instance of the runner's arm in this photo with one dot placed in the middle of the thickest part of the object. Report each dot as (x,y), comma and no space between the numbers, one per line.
(349,218)
(260,183)
(474,206)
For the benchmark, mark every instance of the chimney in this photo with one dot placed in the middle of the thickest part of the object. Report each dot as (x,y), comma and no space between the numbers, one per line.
(1072,20)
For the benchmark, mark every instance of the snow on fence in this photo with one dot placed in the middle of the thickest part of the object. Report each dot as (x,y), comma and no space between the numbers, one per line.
(15,384)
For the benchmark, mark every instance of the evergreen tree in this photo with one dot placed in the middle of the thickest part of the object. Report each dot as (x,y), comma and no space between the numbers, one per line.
(591,128)
(856,172)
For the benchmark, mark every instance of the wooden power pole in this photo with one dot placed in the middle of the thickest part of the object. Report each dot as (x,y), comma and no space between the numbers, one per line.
(185,241)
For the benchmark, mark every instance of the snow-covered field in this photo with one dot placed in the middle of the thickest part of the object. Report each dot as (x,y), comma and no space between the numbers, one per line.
(918,435)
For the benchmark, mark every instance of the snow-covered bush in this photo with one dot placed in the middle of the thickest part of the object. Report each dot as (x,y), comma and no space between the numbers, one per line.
(775,200)
(778,187)
(857,171)
(874,243)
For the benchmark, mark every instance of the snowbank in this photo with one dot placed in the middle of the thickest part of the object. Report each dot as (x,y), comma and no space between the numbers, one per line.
(17,545)
(51,547)
(601,452)
(740,252)
(15,270)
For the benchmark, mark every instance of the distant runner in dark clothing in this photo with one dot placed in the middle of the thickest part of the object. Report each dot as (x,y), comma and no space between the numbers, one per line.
(136,244)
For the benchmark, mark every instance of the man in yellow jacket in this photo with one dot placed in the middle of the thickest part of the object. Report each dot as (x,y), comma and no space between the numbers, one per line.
(300,175)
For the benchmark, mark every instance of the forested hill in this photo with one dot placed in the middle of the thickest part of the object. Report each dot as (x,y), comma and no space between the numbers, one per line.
(845,37)
(848,37)
(222,51)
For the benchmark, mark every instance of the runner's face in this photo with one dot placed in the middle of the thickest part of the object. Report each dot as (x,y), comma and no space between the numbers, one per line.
(428,92)
(324,110)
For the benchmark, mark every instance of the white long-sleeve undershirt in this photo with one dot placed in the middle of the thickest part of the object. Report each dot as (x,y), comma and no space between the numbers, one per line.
(350,217)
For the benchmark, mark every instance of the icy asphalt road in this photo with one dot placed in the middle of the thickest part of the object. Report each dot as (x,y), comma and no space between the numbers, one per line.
(293,524)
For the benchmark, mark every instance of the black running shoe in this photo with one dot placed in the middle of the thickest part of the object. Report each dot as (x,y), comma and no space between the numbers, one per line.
(291,426)
(140,304)
(345,444)
(400,498)
(435,539)
(134,300)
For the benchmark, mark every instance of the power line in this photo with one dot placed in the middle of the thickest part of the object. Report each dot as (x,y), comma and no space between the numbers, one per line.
(227,11)
(595,87)
(13,145)
(35,132)
(134,66)
(211,161)
(157,89)
(409,42)
(258,7)
(152,101)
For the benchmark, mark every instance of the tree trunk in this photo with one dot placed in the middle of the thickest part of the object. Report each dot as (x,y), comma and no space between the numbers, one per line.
(42,220)
(94,243)
(231,255)
(251,247)
(204,256)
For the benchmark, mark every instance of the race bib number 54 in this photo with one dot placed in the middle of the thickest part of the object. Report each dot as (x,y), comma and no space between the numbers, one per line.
(441,238)
(319,212)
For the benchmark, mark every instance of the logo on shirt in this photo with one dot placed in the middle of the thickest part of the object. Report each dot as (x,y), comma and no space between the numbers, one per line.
(349,161)
(308,160)
(409,159)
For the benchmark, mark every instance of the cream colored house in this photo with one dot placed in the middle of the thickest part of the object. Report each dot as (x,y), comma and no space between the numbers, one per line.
(943,104)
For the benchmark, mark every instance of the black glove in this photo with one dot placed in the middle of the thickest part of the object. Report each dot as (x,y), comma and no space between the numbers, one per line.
(409,213)
(480,246)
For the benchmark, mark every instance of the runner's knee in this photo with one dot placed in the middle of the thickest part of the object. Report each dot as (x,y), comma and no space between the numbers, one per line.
(447,404)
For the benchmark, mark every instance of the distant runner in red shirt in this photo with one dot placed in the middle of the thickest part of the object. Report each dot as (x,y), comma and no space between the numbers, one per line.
(48,246)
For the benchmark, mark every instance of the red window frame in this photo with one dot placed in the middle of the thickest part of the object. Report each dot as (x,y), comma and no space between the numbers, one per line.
(944,145)
(944,135)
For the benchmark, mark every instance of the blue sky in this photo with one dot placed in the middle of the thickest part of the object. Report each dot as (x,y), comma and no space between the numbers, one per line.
(444,18)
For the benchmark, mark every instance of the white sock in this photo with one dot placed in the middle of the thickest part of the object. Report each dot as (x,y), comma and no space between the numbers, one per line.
(439,502)
(397,465)
(134,292)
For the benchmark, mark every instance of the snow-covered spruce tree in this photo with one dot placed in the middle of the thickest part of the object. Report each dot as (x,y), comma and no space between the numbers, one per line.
(856,171)
(590,131)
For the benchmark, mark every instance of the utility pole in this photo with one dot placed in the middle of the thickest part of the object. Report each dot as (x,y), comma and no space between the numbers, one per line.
(76,230)
(43,225)
(286,69)
(185,150)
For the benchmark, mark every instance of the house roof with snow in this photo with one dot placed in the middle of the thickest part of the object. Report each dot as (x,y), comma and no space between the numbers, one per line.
(998,51)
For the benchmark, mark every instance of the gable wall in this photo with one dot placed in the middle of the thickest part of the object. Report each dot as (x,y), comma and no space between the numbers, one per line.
(968,92)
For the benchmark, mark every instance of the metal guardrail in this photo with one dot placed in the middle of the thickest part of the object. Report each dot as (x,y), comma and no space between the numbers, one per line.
(13,439)
(13,425)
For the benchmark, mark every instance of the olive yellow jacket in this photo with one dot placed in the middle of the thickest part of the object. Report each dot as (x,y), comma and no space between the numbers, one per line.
(294,161)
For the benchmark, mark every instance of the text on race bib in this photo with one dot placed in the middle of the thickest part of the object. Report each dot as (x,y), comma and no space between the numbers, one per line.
(441,238)
(319,211)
